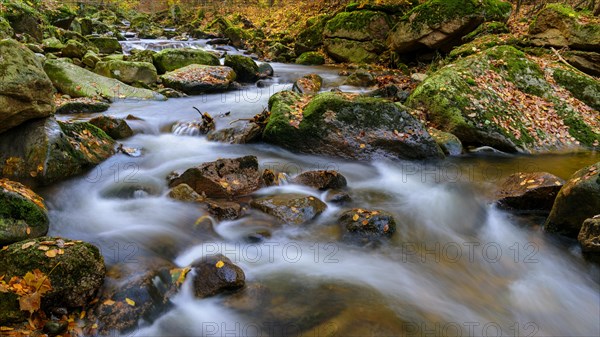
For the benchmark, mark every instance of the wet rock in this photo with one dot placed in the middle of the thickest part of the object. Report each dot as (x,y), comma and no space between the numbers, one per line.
(448,142)
(116,128)
(171,93)
(440,24)
(356,37)
(240,134)
(54,328)
(365,225)
(578,200)
(51,151)
(270,178)
(183,192)
(224,210)
(308,84)
(25,90)
(106,45)
(338,197)
(265,70)
(310,58)
(361,78)
(292,208)
(127,71)
(22,213)
(171,59)
(214,275)
(224,178)
(589,236)
(347,126)
(321,179)
(78,82)
(80,105)
(559,26)
(196,79)
(135,291)
(244,67)
(77,270)
(529,191)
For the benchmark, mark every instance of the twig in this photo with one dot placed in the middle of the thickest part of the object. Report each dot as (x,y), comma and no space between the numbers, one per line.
(560,58)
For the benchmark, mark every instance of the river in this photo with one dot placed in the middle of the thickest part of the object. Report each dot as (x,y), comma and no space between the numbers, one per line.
(456,266)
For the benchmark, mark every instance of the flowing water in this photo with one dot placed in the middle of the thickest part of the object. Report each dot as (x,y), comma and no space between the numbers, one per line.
(456,266)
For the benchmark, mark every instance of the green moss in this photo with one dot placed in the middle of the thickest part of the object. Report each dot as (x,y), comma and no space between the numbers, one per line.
(310,58)
(311,38)
(170,59)
(435,12)
(354,25)
(17,215)
(582,86)
(526,74)
(485,28)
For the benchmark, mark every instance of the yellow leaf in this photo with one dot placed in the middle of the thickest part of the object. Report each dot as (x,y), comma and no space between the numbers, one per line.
(108,302)
(355,217)
(362,146)
(51,253)
(220,264)
(26,245)
(82,315)
(44,248)
(130,301)
(365,222)
(28,230)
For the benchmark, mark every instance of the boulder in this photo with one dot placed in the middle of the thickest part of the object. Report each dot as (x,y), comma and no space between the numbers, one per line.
(308,84)
(171,59)
(245,68)
(80,105)
(25,90)
(22,213)
(321,179)
(52,45)
(75,269)
(106,45)
(216,274)
(448,142)
(310,58)
(502,99)
(196,79)
(224,209)
(589,236)
(366,225)
(183,192)
(145,55)
(588,62)
(90,59)
(265,70)
(127,71)
(223,178)
(311,37)
(239,134)
(361,78)
(6,31)
(78,82)
(347,126)
(291,208)
(116,128)
(529,191)
(576,201)
(50,151)
(74,49)
(441,24)
(23,18)
(559,26)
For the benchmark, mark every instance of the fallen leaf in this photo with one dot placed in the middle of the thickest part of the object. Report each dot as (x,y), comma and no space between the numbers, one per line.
(355,217)
(130,301)
(51,253)
(220,264)
(26,245)
(108,302)
(44,248)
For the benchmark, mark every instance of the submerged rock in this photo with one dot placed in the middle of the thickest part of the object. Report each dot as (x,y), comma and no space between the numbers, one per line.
(321,180)
(196,79)
(365,225)
(216,274)
(347,126)
(589,235)
(23,214)
(529,191)
(290,208)
(578,200)
(25,90)
(224,178)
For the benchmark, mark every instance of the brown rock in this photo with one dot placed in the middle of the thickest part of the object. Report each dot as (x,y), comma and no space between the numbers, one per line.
(290,208)
(589,235)
(321,179)
(183,192)
(529,191)
(224,210)
(116,128)
(215,275)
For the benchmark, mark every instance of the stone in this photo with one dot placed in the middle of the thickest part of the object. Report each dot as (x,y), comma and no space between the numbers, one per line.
(127,71)
(183,192)
(308,84)
(529,191)
(216,274)
(196,79)
(310,58)
(321,179)
(367,224)
(245,68)
(23,214)
(171,59)
(116,128)
(291,208)
(589,236)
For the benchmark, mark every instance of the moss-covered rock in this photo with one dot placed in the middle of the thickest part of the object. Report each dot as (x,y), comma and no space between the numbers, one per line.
(74,49)
(487,28)
(106,44)
(583,87)
(25,90)
(290,208)
(75,268)
(360,78)
(559,26)
(237,36)
(128,72)
(116,128)
(78,82)
(52,45)
(500,98)
(23,18)
(441,24)
(245,68)
(311,37)
(90,59)
(51,151)
(577,200)
(309,84)
(171,59)
(310,58)
(347,126)
(448,142)
(6,31)
(196,79)
(356,36)
(145,55)
(61,16)
(22,213)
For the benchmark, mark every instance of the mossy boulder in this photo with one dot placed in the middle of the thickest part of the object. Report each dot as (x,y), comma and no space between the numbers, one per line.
(22,213)
(501,98)
(361,78)
(291,208)
(74,49)
(75,269)
(311,37)
(196,79)
(585,88)
(356,36)
(128,72)
(441,24)
(558,25)
(145,55)
(90,59)
(25,90)
(106,44)
(6,31)
(50,151)
(577,200)
(448,142)
(309,84)
(116,128)
(487,28)
(23,18)
(171,59)
(52,45)
(237,36)
(347,126)
(78,82)
(61,16)
(310,58)
(245,68)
